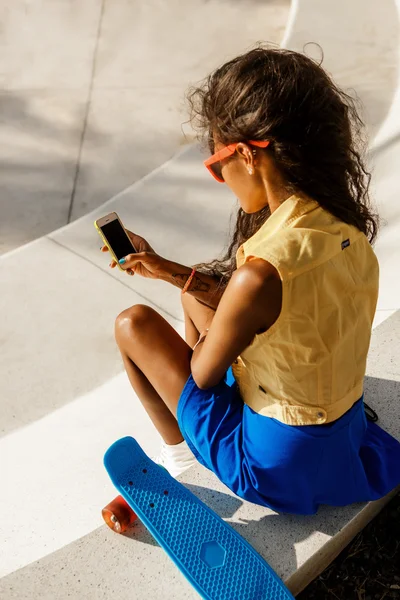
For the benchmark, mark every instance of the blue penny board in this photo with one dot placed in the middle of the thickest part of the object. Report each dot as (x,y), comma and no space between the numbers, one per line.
(216,560)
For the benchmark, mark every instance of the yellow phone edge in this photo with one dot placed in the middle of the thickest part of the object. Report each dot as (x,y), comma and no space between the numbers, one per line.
(108,246)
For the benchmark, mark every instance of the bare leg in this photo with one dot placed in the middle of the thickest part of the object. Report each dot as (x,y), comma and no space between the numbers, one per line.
(163,420)
(157,360)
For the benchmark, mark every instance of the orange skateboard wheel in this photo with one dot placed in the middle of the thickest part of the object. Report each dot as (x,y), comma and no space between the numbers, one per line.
(118,515)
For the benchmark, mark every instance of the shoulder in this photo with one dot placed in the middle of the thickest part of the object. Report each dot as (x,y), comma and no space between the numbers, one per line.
(256,279)
(255,273)
(257,285)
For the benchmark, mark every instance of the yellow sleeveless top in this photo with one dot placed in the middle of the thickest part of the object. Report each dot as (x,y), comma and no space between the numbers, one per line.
(308,368)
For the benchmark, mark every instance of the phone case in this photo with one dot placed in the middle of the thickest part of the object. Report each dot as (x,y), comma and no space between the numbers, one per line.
(107,244)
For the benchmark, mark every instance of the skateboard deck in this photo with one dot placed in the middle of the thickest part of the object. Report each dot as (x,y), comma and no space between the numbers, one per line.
(216,560)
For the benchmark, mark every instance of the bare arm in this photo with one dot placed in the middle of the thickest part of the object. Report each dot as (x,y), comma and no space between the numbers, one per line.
(251,304)
(204,288)
(147,263)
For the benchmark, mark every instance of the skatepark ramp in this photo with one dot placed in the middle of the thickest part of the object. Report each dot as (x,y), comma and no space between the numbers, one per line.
(64,398)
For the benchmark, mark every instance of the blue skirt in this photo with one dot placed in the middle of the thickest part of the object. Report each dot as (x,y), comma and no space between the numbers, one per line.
(288,468)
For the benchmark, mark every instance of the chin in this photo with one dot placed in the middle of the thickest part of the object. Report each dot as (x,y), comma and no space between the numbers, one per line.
(251,207)
(248,210)
(245,207)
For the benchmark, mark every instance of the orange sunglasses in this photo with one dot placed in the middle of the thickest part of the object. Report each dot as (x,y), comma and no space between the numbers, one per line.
(213,163)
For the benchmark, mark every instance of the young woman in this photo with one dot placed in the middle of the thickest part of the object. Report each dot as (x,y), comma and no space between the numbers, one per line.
(267,389)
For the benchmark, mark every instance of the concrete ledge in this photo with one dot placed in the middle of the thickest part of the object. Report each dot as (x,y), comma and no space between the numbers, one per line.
(56,408)
(102,564)
(323,558)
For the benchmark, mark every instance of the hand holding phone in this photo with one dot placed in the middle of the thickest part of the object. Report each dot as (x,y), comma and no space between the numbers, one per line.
(115,237)
(147,263)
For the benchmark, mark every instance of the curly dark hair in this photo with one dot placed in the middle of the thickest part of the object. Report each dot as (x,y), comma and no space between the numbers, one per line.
(314,129)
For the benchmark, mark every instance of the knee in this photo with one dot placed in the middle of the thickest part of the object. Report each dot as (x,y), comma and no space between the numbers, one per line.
(132,320)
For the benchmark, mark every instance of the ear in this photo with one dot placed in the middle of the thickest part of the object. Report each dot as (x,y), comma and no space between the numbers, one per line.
(247,154)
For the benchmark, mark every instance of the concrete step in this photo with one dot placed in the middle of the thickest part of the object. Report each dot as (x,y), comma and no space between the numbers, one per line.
(103,565)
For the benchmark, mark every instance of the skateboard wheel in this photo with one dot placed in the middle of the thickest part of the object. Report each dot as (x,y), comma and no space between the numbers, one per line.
(118,515)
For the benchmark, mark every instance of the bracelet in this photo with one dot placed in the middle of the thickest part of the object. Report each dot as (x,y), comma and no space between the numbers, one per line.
(189,281)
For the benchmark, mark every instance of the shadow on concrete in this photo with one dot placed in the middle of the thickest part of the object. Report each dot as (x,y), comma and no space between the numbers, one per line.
(377,393)
(41,133)
(386,145)
(102,548)
(264,534)
(268,532)
(53,349)
(363,59)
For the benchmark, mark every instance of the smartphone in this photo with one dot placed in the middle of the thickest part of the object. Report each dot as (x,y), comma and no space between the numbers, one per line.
(114,236)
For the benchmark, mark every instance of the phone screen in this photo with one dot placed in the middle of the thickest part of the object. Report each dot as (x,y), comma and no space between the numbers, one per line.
(117,239)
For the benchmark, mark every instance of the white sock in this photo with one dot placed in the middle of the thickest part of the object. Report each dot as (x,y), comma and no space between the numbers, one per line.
(176,458)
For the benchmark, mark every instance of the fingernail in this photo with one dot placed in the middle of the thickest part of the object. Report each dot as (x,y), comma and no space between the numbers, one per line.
(122,261)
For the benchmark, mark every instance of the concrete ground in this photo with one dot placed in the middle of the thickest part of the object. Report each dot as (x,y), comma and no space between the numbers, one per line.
(93,95)
(64,397)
